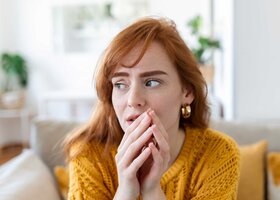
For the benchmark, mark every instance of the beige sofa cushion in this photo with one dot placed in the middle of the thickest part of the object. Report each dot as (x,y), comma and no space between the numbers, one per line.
(46,140)
(252,177)
(251,132)
(26,177)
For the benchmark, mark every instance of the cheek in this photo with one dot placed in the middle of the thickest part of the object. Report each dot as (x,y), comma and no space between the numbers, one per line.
(118,105)
(168,110)
(115,103)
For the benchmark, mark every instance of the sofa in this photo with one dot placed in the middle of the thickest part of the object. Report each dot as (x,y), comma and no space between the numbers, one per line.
(259,146)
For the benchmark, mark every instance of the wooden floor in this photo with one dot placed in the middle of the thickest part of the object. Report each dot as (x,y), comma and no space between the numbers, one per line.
(9,151)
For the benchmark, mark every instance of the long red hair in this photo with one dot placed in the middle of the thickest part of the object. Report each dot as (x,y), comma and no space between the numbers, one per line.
(104,127)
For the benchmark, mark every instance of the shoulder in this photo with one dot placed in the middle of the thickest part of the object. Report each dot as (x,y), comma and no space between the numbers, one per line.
(213,146)
(214,151)
(220,137)
(91,173)
(215,161)
(94,151)
(225,142)
(213,139)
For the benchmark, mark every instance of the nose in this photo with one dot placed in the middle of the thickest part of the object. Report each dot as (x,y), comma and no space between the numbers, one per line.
(136,97)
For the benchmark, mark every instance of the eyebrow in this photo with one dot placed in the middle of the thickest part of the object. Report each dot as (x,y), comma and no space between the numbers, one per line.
(142,75)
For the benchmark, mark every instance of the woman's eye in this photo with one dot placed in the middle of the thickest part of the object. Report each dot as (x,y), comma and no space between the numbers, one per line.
(120,86)
(152,83)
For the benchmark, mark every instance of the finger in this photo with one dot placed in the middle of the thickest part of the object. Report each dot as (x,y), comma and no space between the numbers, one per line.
(133,126)
(137,121)
(139,161)
(158,123)
(158,160)
(132,151)
(143,126)
(161,141)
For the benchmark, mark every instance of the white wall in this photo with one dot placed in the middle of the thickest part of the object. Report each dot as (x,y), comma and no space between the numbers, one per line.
(181,11)
(9,24)
(256,59)
(223,30)
(1,26)
(1,37)
(28,29)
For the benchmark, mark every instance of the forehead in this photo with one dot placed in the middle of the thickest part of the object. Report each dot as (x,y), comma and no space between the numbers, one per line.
(155,58)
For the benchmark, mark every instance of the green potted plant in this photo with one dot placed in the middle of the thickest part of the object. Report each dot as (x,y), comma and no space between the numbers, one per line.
(203,48)
(14,81)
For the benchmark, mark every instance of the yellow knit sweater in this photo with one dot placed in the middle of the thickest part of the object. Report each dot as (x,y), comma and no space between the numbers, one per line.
(207,168)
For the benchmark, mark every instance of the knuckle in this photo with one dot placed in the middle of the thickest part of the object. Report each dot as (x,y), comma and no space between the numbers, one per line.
(119,148)
(132,138)
(131,147)
(120,166)
(128,174)
(117,157)
(128,130)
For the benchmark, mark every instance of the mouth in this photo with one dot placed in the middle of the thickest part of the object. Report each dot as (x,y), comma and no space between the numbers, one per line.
(132,118)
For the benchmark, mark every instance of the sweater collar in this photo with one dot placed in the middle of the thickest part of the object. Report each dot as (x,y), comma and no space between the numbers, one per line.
(181,160)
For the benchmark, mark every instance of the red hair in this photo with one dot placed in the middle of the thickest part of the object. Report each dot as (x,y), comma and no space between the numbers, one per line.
(104,126)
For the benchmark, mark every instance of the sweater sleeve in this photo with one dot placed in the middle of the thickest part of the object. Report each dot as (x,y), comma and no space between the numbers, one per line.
(219,177)
(89,179)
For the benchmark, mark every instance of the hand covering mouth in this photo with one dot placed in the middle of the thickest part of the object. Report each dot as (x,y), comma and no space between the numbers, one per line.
(132,118)
(151,140)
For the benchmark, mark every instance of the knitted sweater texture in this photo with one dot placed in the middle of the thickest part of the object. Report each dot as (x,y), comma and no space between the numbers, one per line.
(207,168)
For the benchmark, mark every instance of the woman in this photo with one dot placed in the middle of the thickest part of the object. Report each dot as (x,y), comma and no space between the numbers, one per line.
(149,135)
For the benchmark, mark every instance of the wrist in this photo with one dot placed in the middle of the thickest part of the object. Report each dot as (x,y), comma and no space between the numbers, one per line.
(124,195)
(153,194)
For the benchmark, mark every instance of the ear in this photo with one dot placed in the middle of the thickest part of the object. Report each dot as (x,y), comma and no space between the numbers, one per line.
(187,97)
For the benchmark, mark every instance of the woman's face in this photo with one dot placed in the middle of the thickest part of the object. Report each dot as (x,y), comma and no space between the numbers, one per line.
(152,83)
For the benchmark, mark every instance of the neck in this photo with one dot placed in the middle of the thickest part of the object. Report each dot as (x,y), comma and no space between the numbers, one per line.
(176,144)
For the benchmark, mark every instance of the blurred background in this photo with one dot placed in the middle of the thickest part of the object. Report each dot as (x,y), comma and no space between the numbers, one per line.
(49,50)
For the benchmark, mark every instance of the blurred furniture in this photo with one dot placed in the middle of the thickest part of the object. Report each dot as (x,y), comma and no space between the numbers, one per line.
(216,107)
(65,105)
(47,135)
(14,126)
(244,133)
(9,151)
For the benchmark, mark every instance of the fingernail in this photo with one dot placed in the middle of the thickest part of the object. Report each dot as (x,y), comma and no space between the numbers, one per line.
(146,116)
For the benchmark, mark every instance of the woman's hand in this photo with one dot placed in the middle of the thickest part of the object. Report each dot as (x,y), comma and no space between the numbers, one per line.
(141,171)
(129,158)
(155,166)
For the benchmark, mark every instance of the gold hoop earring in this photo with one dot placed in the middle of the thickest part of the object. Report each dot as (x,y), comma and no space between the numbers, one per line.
(186,111)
